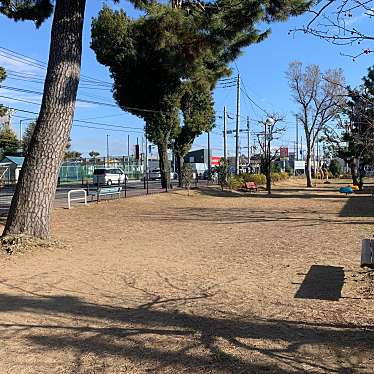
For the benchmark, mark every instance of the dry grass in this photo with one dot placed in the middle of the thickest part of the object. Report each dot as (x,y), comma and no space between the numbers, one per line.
(211,283)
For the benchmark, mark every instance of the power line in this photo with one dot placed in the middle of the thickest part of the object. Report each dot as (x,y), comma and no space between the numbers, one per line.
(78,100)
(19,57)
(117,127)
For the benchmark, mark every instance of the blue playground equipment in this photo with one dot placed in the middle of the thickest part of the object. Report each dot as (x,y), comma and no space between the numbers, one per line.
(347,190)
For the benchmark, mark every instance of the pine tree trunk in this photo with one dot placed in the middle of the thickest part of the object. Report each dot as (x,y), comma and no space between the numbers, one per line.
(309,180)
(32,203)
(164,165)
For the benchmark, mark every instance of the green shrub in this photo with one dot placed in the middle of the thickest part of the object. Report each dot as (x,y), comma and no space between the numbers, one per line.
(259,179)
(234,182)
(275,177)
(284,176)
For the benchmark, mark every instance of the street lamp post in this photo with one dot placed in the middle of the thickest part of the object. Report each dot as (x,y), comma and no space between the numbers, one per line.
(107,149)
(268,138)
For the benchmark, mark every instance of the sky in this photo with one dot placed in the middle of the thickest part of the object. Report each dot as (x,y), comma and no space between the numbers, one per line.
(262,69)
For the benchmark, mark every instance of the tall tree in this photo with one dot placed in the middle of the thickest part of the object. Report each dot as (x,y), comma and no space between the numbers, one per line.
(26,137)
(151,58)
(352,136)
(320,98)
(198,113)
(33,199)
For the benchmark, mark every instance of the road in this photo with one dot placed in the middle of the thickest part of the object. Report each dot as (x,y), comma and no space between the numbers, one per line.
(133,188)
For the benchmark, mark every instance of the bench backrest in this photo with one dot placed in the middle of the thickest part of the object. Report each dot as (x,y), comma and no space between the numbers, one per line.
(250,184)
(108,190)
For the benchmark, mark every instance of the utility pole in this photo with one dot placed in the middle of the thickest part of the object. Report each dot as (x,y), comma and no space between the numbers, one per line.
(297,138)
(249,145)
(128,148)
(237,161)
(224,134)
(209,156)
(146,155)
(107,148)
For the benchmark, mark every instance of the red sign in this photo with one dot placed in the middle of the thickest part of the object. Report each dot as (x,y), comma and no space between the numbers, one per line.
(215,161)
(283,151)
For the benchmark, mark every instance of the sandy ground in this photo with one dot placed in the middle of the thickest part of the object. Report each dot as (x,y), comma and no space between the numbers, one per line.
(207,283)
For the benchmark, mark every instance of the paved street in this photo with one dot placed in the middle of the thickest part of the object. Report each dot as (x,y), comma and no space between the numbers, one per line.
(133,188)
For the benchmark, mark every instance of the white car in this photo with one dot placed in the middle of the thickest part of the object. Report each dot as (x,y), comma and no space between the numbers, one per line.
(109,176)
(155,174)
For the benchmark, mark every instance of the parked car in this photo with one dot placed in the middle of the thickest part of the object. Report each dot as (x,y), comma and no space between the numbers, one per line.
(155,174)
(109,176)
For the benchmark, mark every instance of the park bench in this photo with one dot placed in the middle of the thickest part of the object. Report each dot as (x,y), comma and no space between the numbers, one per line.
(367,253)
(250,186)
(106,191)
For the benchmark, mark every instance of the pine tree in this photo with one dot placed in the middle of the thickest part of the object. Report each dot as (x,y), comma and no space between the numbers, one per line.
(26,138)
(151,58)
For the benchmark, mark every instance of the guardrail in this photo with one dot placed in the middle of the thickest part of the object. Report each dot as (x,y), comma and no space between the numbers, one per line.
(77,198)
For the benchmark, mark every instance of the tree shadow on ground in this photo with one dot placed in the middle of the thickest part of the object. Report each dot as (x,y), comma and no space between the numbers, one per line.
(302,193)
(299,217)
(358,206)
(187,342)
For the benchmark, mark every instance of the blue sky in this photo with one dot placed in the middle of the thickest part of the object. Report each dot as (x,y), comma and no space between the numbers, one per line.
(262,68)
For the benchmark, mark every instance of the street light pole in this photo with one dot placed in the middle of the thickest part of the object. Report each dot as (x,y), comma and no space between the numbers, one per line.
(268,138)
(237,161)
(224,134)
(209,156)
(107,148)
(249,144)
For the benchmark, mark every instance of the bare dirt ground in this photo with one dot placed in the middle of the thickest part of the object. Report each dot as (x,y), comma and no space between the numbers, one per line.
(210,283)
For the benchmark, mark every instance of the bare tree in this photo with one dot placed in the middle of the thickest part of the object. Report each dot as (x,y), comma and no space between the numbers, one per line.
(320,98)
(344,23)
(271,130)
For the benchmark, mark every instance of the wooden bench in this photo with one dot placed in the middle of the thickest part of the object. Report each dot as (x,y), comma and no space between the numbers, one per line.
(367,253)
(251,186)
(106,191)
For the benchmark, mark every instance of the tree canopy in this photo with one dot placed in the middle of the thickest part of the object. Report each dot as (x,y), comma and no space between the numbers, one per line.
(9,143)
(34,10)
(154,59)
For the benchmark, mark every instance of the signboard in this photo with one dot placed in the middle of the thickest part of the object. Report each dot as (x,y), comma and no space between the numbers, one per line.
(283,152)
(215,161)
(299,165)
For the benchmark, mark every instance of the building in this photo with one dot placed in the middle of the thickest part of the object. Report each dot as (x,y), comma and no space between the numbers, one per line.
(10,167)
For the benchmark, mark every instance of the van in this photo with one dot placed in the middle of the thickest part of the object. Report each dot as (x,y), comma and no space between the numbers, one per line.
(109,176)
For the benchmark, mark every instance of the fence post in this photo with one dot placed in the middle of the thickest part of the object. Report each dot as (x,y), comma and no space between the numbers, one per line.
(147,176)
(125,185)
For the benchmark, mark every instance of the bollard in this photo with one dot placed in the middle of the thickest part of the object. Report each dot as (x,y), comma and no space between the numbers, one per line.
(125,185)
